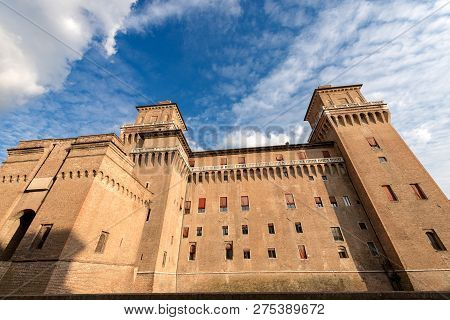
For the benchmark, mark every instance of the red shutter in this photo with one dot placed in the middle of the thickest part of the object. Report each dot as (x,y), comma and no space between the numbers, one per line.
(244,201)
(301,155)
(201,203)
(289,198)
(318,200)
(332,199)
(302,252)
(390,193)
(223,161)
(241,160)
(192,248)
(279,157)
(223,202)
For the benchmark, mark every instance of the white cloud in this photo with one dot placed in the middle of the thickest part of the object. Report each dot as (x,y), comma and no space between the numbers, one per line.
(410,73)
(157,11)
(32,62)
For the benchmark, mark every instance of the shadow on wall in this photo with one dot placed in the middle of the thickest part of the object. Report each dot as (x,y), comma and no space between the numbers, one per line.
(31,261)
(352,242)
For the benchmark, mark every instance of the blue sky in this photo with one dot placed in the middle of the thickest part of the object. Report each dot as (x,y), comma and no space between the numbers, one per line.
(241,71)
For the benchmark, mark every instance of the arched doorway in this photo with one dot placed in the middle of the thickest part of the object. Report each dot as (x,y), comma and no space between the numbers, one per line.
(21,226)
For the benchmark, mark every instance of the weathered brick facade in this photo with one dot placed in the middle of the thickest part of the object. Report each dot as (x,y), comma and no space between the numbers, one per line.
(351,210)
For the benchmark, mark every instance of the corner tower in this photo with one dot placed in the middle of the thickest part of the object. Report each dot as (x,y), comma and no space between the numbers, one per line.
(409,212)
(157,146)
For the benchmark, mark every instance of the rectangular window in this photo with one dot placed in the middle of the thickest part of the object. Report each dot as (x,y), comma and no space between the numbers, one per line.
(225,176)
(362,225)
(326,154)
(333,202)
(191,162)
(244,203)
(223,204)
(223,161)
(185,232)
(164,259)
(101,244)
(192,251)
(418,191)
(229,250)
(187,207)
(301,155)
(199,231)
(241,160)
(279,157)
(318,201)
(147,219)
(271,253)
(290,200)
(373,143)
(436,243)
(346,200)
(373,249)
(390,193)
(271,228)
(225,230)
(337,234)
(342,252)
(324,178)
(298,227)
(244,229)
(302,252)
(246,254)
(201,205)
(382,159)
(42,235)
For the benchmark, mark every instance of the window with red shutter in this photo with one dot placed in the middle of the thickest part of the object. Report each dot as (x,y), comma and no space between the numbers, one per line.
(318,201)
(201,205)
(244,203)
(373,143)
(389,192)
(302,252)
(333,201)
(290,200)
(418,191)
(223,204)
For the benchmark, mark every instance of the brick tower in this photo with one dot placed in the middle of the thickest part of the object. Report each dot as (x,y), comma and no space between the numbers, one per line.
(406,207)
(160,151)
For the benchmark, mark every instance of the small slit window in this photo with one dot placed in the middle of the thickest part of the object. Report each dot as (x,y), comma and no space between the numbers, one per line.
(435,241)
(271,228)
(42,235)
(244,229)
(199,231)
(302,252)
(225,230)
(333,202)
(192,251)
(298,227)
(101,244)
(187,207)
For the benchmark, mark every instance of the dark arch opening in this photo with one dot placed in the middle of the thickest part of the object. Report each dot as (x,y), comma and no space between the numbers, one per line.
(24,223)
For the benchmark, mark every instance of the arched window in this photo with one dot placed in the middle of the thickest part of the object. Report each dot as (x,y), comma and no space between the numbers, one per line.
(229,251)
